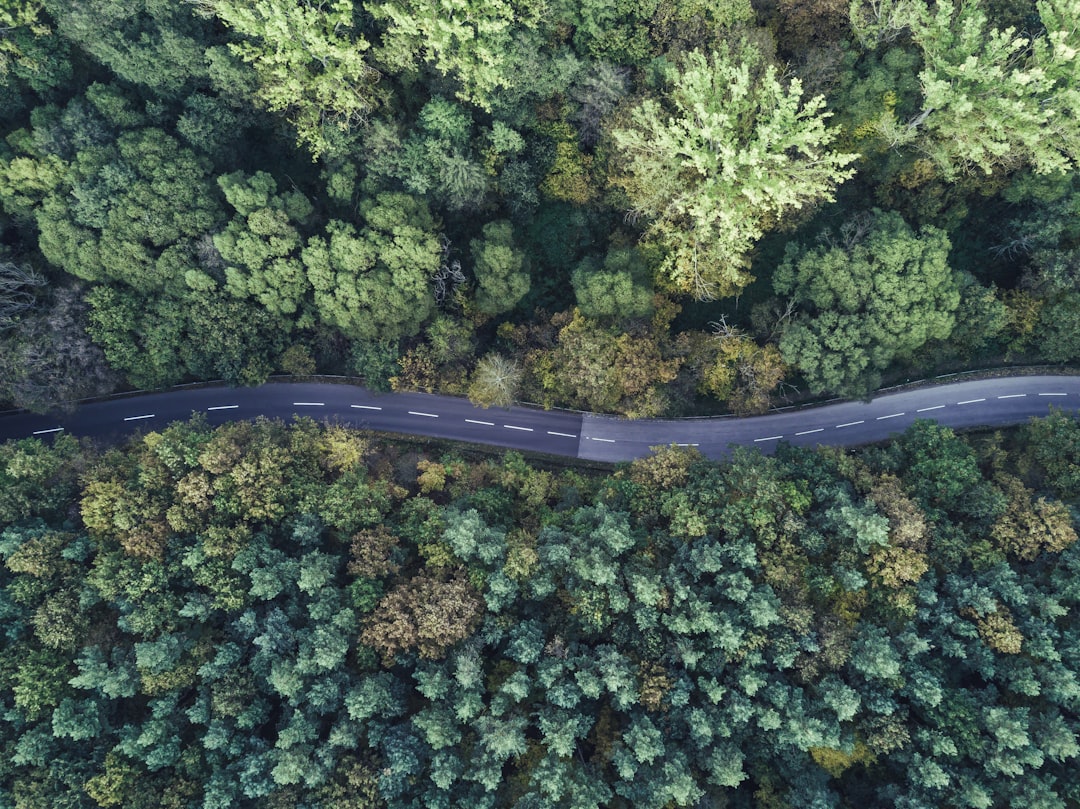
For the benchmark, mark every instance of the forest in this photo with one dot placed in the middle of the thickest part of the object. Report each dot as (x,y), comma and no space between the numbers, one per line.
(641,207)
(311,617)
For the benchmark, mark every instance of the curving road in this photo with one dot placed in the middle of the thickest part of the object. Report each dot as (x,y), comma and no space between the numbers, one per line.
(986,402)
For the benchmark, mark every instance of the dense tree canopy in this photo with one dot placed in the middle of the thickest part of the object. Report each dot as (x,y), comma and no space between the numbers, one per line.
(261,615)
(424,192)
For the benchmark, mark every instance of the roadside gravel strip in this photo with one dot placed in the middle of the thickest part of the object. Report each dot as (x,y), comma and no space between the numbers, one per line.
(991,402)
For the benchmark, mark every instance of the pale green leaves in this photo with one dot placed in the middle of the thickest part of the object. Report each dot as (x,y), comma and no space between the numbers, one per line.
(310,66)
(472,41)
(993,100)
(261,243)
(730,151)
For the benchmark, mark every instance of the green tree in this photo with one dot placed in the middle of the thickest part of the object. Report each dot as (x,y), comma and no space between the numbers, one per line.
(157,45)
(502,274)
(130,212)
(375,283)
(875,296)
(310,65)
(261,245)
(727,150)
(619,290)
(996,99)
(472,42)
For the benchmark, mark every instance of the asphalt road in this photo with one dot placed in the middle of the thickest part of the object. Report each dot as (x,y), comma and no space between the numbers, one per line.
(986,402)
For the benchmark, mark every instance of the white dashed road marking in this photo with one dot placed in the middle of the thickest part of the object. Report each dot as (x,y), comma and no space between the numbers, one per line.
(924,409)
(428,415)
(1053,394)
(769,438)
(561,435)
(687,445)
(971,401)
(523,429)
(366,407)
(223,407)
(51,430)
(309,404)
(605,440)
(1013,396)
(136,418)
(890,416)
(485,423)
(848,424)
(807,432)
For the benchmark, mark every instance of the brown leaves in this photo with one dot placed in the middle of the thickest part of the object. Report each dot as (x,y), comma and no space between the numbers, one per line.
(1029,528)
(424,614)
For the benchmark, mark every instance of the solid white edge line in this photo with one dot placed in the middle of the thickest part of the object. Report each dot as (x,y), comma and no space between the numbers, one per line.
(309,404)
(890,416)
(605,440)
(971,401)
(52,430)
(223,407)
(769,438)
(485,423)
(428,415)
(136,418)
(849,424)
(561,435)
(523,429)
(924,409)
(366,407)
(1013,396)
(1053,394)
(807,432)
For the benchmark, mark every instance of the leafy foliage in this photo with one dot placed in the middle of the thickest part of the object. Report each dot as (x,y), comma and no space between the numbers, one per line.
(878,295)
(727,149)
(253,615)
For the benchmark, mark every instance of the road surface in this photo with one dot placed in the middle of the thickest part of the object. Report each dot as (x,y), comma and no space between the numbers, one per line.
(986,402)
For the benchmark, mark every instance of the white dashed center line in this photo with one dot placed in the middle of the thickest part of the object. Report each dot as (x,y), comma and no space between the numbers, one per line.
(426,415)
(309,404)
(366,407)
(807,432)
(523,429)
(223,407)
(51,430)
(890,416)
(561,435)
(924,409)
(1013,396)
(1053,394)
(848,424)
(769,438)
(136,418)
(485,423)
(687,445)
(605,440)
(971,401)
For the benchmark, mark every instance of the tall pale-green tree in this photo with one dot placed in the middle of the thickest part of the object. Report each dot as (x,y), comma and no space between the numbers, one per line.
(310,63)
(470,41)
(727,150)
(992,100)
